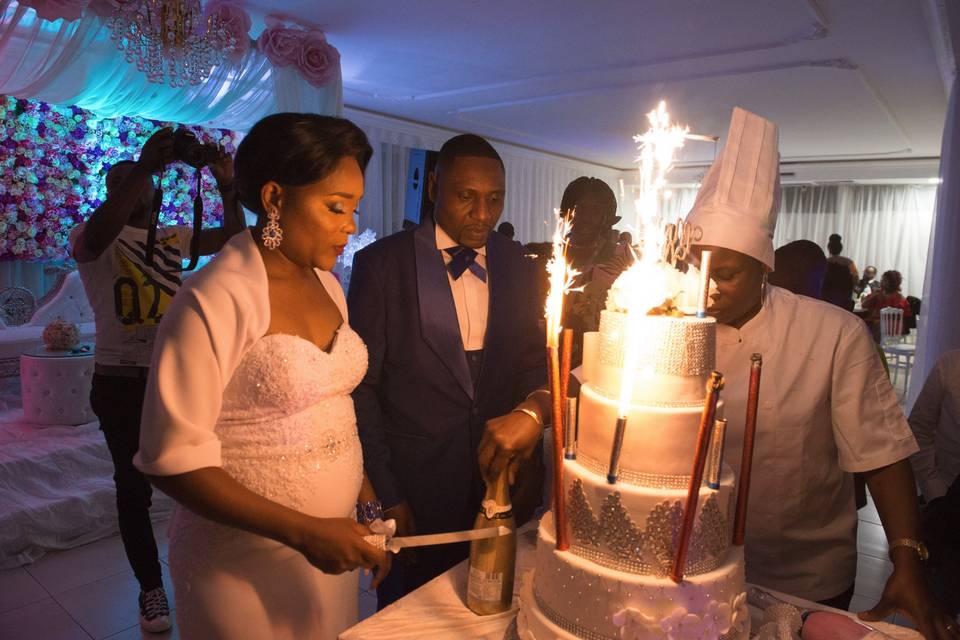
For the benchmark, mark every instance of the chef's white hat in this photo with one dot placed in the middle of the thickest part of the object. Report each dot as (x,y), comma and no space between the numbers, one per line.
(737,205)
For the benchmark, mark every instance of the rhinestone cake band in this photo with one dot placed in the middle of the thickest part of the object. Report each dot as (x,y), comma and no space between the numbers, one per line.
(673,346)
(636,478)
(610,561)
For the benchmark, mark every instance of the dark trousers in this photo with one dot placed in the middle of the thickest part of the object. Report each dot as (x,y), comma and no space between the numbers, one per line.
(117,401)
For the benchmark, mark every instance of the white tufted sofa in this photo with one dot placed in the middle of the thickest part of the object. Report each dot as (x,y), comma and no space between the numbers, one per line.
(68,301)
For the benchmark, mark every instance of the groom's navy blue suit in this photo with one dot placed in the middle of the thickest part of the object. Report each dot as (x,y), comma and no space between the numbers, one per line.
(419,413)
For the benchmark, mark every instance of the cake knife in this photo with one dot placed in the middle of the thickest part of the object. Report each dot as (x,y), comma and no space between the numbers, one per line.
(395,544)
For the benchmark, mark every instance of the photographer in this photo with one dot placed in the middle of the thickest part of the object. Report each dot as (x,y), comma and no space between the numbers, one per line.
(129,293)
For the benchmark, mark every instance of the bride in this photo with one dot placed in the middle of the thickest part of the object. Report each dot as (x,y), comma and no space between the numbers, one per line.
(248,421)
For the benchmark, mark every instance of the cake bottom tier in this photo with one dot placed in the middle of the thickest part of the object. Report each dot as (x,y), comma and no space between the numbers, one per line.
(566,596)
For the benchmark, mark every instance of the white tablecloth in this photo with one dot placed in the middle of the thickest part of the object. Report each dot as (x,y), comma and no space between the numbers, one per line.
(438,610)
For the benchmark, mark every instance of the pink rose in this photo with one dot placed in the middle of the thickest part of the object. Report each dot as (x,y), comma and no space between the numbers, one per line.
(319,60)
(69,10)
(280,45)
(234,20)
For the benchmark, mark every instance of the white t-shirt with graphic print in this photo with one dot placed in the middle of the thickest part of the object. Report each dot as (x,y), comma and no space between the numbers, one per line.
(129,297)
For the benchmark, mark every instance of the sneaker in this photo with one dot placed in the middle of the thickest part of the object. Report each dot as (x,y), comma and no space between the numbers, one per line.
(154,610)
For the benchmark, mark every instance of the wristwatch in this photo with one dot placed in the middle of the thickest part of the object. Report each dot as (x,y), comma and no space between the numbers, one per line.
(369,511)
(916,545)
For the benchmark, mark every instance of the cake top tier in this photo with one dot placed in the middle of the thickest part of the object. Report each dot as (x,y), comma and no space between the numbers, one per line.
(674,346)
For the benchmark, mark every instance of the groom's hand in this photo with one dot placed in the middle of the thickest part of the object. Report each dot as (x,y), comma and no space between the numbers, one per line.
(507,441)
(406,526)
(403,514)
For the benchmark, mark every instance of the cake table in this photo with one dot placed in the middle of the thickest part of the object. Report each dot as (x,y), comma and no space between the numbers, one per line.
(438,610)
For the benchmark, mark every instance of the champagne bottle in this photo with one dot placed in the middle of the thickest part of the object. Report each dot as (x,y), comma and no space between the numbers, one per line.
(493,560)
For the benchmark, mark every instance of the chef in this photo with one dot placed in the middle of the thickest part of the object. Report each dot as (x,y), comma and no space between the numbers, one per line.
(827,409)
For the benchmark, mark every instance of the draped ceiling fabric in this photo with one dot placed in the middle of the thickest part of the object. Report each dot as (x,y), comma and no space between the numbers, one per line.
(76,63)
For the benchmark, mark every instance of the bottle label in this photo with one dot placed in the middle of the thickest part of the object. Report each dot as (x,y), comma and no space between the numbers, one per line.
(491,509)
(485,586)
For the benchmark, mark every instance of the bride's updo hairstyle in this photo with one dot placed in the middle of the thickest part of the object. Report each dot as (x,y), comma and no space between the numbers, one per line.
(295,149)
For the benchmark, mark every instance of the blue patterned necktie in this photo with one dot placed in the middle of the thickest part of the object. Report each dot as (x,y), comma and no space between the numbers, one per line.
(464,258)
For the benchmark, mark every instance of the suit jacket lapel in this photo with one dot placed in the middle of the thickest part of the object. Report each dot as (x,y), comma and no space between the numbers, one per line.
(498,316)
(439,326)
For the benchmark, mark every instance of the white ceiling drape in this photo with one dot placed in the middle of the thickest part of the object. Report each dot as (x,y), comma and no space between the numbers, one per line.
(76,63)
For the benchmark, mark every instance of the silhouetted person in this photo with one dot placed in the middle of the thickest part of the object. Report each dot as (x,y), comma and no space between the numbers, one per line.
(835,247)
(800,268)
(506,229)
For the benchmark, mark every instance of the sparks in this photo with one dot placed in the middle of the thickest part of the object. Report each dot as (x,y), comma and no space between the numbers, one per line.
(561,277)
(647,280)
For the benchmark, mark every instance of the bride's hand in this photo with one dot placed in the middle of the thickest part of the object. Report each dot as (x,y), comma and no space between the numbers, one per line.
(336,545)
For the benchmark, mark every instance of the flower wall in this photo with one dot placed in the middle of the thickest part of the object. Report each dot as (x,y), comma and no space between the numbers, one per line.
(53,162)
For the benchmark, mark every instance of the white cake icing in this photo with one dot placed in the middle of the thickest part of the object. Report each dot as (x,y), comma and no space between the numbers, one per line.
(612,583)
(658,440)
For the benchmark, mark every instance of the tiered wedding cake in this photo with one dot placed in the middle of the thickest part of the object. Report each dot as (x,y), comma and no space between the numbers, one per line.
(613,582)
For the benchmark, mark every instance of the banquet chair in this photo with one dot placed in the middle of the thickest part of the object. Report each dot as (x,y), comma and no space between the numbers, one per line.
(891,325)
(899,353)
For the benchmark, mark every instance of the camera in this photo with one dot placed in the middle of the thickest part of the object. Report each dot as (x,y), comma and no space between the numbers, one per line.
(188,148)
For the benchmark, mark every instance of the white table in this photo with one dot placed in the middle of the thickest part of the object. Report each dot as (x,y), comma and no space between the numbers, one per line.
(438,610)
(55,386)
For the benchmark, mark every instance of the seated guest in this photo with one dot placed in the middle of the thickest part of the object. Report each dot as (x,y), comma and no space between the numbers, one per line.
(868,283)
(625,239)
(888,296)
(129,296)
(935,420)
(506,229)
(452,325)
(248,422)
(801,267)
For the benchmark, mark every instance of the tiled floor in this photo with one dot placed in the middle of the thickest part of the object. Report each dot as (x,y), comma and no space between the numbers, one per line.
(90,593)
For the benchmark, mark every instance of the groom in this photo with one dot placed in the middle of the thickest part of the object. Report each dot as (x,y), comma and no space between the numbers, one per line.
(450,316)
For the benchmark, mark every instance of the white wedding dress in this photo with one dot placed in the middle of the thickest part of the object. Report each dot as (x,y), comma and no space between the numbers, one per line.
(287,431)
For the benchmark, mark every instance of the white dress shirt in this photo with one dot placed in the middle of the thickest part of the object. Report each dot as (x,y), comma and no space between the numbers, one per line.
(470,295)
(935,421)
(826,410)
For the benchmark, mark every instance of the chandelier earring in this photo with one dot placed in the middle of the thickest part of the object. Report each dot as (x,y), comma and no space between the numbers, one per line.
(272,233)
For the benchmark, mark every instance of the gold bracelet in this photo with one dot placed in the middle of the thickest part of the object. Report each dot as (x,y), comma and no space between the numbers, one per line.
(531,413)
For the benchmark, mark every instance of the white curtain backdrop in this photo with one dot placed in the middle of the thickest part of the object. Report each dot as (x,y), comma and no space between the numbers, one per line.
(535,181)
(887,226)
(76,63)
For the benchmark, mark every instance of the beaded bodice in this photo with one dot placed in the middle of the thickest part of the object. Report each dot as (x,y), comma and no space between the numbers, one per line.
(288,430)
(287,414)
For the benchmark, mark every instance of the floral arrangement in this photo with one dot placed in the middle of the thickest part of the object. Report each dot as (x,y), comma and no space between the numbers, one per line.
(306,49)
(53,161)
(61,335)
